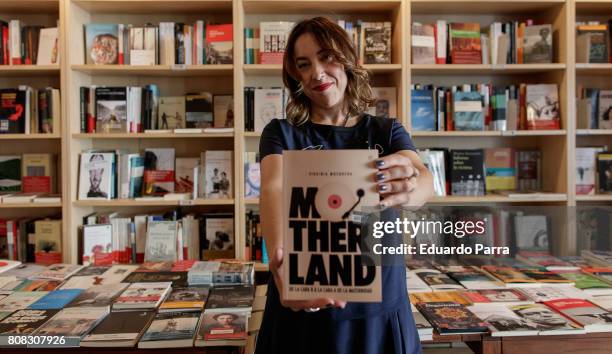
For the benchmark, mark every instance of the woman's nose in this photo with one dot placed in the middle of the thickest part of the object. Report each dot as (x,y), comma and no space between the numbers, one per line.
(317,71)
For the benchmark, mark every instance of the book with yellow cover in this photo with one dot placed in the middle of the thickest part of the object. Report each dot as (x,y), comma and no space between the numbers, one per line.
(185,299)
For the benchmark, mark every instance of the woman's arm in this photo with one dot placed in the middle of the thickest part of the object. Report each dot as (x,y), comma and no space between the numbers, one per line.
(403,179)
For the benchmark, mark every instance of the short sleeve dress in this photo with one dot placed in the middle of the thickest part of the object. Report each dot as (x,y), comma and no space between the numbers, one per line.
(360,328)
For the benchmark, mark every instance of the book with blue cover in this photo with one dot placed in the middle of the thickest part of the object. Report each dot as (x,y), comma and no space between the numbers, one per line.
(56,300)
(467,111)
(422,110)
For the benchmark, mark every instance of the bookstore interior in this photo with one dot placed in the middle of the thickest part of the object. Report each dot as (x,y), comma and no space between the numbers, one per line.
(130,172)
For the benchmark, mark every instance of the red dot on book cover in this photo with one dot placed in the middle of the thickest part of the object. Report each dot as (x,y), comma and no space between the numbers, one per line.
(334,201)
(2,264)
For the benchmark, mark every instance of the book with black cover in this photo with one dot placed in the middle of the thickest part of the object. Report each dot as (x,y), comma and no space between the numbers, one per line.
(233,296)
(171,330)
(451,318)
(119,329)
(12,111)
(177,278)
(467,172)
(24,322)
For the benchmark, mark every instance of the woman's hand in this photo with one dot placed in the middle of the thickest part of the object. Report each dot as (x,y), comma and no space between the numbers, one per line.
(277,272)
(403,179)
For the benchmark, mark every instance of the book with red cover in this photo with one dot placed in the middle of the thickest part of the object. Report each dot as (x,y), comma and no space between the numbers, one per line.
(586,314)
(219,44)
(465,43)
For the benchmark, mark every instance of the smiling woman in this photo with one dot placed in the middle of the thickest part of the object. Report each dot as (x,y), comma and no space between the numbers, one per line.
(328,95)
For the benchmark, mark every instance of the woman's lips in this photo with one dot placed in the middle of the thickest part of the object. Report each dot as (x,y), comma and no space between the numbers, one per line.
(323,87)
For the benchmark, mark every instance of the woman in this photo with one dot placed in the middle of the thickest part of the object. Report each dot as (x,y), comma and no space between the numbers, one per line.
(329,94)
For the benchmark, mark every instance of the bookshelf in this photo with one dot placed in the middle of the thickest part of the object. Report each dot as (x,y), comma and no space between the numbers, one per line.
(558,147)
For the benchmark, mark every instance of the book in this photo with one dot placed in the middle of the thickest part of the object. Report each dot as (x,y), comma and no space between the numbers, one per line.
(142,45)
(546,277)
(328,189)
(422,110)
(223,111)
(158,171)
(98,244)
(435,162)
(273,40)
(19,300)
(59,271)
(218,174)
(377,43)
(464,43)
(531,232)
(451,318)
(586,169)
(48,47)
(439,296)
(268,105)
(24,322)
(222,328)
(142,296)
(161,241)
(219,237)
(73,323)
(171,330)
(502,322)
(437,280)
(604,120)
(96,171)
(467,172)
(474,279)
(546,260)
(500,169)
(101,43)
(56,299)
(224,297)
(219,44)
(186,299)
(111,109)
(98,295)
(119,329)
(13,111)
(423,44)
(184,177)
(467,111)
(199,110)
(510,276)
(252,175)
(538,44)
(548,322)
(548,293)
(178,279)
(171,113)
(385,105)
(529,170)
(48,242)
(542,106)
(589,284)
(38,173)
(498,296)
(423,326)
(10,173)
(604,166)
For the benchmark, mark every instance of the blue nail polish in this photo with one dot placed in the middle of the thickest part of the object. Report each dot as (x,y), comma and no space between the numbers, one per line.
(380,176)
(380,163)
(383,187)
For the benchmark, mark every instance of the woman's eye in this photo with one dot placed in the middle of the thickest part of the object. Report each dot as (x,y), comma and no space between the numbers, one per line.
(302,65)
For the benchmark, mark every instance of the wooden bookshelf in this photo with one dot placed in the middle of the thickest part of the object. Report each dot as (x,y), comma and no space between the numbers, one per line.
(594,198)
(29,205)
(558,146)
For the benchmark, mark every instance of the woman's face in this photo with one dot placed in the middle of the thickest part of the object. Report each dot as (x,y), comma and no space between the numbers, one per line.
(322,77)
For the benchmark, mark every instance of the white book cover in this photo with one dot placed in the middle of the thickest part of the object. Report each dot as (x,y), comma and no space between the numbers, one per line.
(59,271)
(502,322)
(14,42)
(97,244)
(542,102)
(548,293)
(96,175)
(118,272)
(223,111)
(546,320)
(605,110)
(586,169)
(386,102)
(159,171)
(73,322)
(184,178)
(218,174)
(6,264)
(143,295)
(48,47)
(161,243)
(332,187)
(220,233)
(268,105)
(415,284)
(434,161)
(20,300)
(166,43)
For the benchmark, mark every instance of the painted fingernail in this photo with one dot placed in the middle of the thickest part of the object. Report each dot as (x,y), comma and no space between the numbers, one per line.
(383,187)
(380,163)
(380,176)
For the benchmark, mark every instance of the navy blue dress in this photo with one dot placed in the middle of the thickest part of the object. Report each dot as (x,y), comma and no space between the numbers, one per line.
(360,328)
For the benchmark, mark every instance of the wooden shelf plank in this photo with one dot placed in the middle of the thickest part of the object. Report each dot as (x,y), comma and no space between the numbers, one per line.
(154,6)
(592,68)
(153,202)
(319,6)
(29,6)
(251,201)
(149,135)
(422,7)
(276,69)
(29,70)
(29,136)
(593,7)
(156,70)
(471,69)
(451,199)
(594,132)
(29,205)
(594,198)
(508,133)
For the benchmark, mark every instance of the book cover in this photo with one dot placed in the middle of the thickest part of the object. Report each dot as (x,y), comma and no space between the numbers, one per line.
(158,171)
(155,267)
(24,322)
(528,169)
(219,44)
(542,102)
(422,110)
(605,110)
(437,280)
(467,111)
(592,43)
(98,295)
(329,189)
(464,41)
(13,110)
(119,329)
(503,296)
(184,178)
(546,277)
(219,237)
(101,43)
(509,275)
(423,44)
(136,173)
(226,297)
(500,169)
(531,232)
(98,244)
(171,114)
(59,271)
(252,175)
(48,47)
(73,322)
(548,293)
(503,322)
(544,318)
(467,172)
(604,166)
(161,242)
(142,295)
(218,174)
(583,312)
(385,105)
(37,173)
(538,44)
(377,43)
(19,300)
(268,105)
(223,111)
(439,296)
(96,171)
(199,110)
(56,299)
(177,279)
(186,299)
(228,325)
(48,242)
(451,318)
(273,40)
(10,174)
(111,109)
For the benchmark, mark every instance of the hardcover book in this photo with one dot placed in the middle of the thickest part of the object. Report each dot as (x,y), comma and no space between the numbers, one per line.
(451,318)
(101,43)
(119,329)
(330,189)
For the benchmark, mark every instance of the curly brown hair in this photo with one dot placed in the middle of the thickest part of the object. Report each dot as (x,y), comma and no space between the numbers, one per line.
(331,37)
